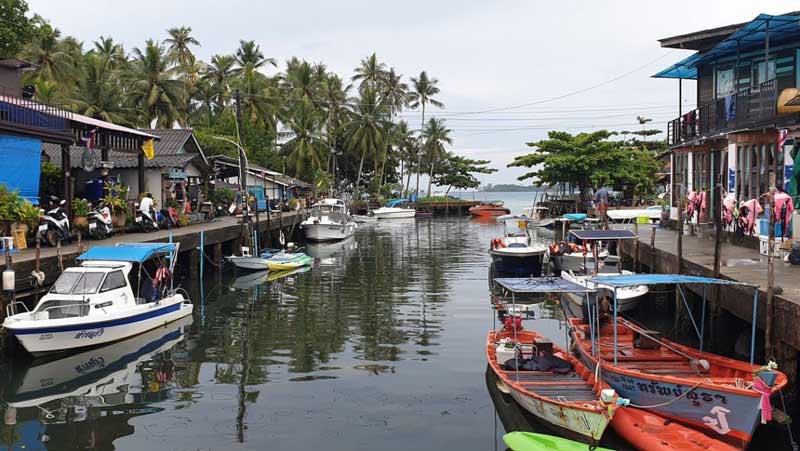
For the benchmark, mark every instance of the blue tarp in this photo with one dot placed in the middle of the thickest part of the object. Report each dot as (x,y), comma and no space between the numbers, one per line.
(652,279)
(127,252)
(750,36)
(21,165)
(540,285)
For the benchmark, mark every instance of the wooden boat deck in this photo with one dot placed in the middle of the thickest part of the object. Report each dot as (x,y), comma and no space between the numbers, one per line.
(570,386)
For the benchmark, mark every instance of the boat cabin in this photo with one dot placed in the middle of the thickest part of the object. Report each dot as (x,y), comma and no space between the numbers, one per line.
(334,210)
(81,290)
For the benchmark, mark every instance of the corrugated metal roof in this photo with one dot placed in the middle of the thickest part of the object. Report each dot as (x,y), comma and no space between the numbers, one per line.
(121,160)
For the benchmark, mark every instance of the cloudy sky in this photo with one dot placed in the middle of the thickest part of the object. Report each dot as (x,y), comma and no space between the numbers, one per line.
(521,59)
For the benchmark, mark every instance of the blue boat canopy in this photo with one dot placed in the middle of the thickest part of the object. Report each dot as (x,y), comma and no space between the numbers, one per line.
(128,252)
(751,35)
(652,279)
(540,285)
(396,202)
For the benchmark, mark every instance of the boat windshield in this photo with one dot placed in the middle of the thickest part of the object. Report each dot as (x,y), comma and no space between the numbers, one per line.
(72,282)
(333,213)
(515,227)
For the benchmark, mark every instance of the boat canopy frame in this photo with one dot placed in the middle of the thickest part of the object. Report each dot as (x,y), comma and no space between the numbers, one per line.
(631,280)
(541,285)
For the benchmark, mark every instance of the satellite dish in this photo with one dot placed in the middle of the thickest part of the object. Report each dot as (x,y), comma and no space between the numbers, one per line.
(89,160)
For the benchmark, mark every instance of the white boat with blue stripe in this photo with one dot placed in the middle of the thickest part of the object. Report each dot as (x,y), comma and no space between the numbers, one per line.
(94,303)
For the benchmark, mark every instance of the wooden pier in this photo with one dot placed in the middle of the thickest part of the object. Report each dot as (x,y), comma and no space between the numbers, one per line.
(222,236)
(738,263)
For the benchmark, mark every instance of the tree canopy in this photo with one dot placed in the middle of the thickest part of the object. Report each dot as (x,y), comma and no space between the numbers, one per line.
(459,172)
(15,27)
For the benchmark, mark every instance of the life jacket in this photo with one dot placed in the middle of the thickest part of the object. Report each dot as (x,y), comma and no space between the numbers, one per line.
(512,322)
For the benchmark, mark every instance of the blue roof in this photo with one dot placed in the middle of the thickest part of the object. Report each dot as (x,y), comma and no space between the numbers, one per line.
(652,279)
(751,35)
(127,252)
(540,285)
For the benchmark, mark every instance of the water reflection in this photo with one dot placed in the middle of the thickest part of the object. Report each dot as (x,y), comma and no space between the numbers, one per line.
(84,399)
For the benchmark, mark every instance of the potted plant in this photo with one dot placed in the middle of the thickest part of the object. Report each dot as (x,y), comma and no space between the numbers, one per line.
(116,198)
(28,217)
(80,208)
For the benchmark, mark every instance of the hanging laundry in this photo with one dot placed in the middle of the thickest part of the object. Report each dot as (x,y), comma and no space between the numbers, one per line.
(730,107)
(728,208)
(753,210)
(784,208)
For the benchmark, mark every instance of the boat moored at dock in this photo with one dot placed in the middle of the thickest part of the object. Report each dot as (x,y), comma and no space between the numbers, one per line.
(489,208)
(516,252)
(329,220)
(94,303)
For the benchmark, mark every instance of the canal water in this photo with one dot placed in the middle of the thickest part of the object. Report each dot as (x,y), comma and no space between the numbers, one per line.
(379,346)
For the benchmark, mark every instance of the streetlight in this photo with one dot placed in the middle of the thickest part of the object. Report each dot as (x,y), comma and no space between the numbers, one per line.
(243,164)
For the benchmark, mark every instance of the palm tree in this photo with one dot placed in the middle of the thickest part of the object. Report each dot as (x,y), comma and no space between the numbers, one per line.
(436,135)
(250,59)
(370,72)
(301,81)
(179,41)
(110,51)
(204,101)
(306,145)
(394,92)
(53,63)
(424,90)
(219,74)
(158,95)
(97,92)
(364,132)
(334,96)
(403,138)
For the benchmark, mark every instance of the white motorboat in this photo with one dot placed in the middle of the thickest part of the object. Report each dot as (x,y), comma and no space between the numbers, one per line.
(515,252)
(360,219)
(652,213)
(394,213)
(94,303)
(575,258)
(252,262)
(329,221)
(627,297)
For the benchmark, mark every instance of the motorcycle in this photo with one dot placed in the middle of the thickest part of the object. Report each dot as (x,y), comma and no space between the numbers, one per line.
(54,225)
(145,220)
(168,218)
(100,223)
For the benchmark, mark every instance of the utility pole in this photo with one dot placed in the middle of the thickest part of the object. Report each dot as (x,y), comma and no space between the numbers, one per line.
(242,158)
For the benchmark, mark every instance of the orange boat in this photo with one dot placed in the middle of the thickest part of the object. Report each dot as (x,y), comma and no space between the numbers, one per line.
(569,403)
(489,208)
(650,432)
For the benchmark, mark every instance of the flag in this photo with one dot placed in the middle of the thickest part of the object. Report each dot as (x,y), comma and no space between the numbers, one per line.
(88,138)
(782,135)
(148,149)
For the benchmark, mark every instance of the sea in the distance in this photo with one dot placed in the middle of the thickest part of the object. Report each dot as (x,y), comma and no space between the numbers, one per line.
(515,201)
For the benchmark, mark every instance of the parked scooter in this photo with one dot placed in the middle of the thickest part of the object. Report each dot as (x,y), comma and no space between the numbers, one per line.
(168,218)
(100,224)
(145,216)
(54,225)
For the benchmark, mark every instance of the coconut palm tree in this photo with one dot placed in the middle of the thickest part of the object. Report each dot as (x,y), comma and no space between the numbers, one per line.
(97,92)
(435,135)
(370,73)
(394,92)
(219,73)
(204,102)
(301,81)
(334,102)
(112,52)
(403,139)
(306,146)
(424,90)
(154,89)
(53,63)
(365,131)
(250,59)
(179,42)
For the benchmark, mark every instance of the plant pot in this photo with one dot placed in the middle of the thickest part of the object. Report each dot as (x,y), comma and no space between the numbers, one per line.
(119,220)
(80,222)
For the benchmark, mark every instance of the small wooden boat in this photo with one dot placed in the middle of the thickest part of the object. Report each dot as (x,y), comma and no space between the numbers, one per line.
(489,208)
(568,403)
(531,441)
(277,275)
(650,432)
(705,391)
(425,214)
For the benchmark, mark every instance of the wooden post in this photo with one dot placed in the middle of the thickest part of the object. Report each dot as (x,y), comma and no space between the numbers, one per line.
(680,263)
(652,249)
(636,247)
(9,265)
(768,346)
(714,313)
(217,252)
(66,167)
(140,174)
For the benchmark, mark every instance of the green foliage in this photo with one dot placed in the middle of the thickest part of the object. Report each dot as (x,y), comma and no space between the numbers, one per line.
(116,197)
(586,160)
(323,181)
(13,208)
(223,196)
(15,27)
(80,207)
(458,172)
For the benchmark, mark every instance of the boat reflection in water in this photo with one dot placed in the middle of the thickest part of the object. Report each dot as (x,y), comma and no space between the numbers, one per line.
(87,398)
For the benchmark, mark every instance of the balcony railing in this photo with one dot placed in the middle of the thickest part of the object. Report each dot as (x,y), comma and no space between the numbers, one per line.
(739,110)
(31,114)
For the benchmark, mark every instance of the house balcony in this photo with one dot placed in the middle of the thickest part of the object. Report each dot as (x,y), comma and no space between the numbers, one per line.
(748,108)
(31,117)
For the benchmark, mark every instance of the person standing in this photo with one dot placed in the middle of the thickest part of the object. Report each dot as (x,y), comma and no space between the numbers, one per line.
(601,204)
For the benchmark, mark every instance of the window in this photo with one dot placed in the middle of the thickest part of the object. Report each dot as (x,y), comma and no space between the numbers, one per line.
(65,282)
(681,162)
(759,73)
(754,170)
(113,281)
(89,283)
(724,84)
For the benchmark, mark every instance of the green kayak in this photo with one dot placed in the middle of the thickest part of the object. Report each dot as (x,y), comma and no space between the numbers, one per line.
(531,441)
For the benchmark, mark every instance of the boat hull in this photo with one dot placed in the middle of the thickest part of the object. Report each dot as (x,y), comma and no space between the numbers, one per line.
(398,213)
(650,432)
(522,265)
(575,261)
(328,232)
(711,404)
(627,297)
(63,337)
(250,263)
(484,212)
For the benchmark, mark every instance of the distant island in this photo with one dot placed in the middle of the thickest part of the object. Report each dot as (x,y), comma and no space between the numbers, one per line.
(507,187)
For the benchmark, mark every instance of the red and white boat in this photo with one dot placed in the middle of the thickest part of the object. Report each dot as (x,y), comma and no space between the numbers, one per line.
(489,208)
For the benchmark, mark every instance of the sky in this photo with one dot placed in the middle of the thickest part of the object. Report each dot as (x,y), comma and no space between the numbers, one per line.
(522,59)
